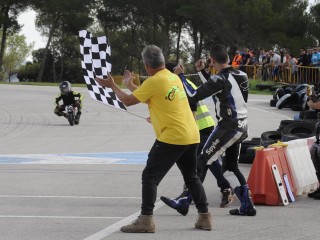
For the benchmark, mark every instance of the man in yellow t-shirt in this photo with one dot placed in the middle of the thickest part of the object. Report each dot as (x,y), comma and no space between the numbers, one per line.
(176,132)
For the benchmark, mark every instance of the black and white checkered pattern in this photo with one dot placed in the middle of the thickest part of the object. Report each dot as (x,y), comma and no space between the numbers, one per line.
(95,61)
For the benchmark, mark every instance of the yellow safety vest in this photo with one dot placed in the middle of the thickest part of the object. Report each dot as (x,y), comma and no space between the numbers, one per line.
(203,117)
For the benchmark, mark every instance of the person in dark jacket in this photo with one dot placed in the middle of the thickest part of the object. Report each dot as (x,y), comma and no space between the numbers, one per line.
(229,90)
(303,61)
(205,123)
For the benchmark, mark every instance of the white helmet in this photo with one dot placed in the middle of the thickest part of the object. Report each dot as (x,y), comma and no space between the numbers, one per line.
(65,87)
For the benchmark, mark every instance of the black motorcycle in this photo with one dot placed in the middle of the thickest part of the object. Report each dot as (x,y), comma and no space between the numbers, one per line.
(71,112)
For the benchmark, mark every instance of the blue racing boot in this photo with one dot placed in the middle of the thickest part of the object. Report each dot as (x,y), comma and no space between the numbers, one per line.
(247,207)
(181,203)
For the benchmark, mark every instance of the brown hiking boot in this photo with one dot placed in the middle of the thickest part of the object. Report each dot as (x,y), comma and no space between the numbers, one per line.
(143,224)
(204,221)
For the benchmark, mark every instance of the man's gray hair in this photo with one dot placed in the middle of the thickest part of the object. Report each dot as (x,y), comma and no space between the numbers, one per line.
(153,56)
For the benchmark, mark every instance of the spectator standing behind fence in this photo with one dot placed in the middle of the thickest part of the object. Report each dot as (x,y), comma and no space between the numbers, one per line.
(245,56)
(303,62)
(237,59)
(253,58)
(265,68)
(176,132)
(253,61)
(293,63)
(315,62)
(245,59)
(315,58)
(309,53)
(274,63)
(283,63)
(262,56)
(283,53)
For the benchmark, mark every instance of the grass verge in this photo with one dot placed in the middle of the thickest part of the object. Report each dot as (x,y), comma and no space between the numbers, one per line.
(252,85)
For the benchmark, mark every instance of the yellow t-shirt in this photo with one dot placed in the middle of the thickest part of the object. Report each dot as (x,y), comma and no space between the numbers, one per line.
(170,114)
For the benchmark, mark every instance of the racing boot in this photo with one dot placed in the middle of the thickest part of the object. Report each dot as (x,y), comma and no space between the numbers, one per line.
(316,192)
(312,194)
(143,224)
(247,207)
(77,118)
(181,203)
(316,196)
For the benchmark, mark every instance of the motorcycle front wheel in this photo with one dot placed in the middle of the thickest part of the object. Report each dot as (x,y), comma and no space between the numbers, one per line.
(71,119)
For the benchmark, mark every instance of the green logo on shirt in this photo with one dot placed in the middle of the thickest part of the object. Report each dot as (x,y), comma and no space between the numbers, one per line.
(171,94)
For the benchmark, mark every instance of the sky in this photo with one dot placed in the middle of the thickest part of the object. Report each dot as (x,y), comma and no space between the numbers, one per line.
(27,19)
(32,35)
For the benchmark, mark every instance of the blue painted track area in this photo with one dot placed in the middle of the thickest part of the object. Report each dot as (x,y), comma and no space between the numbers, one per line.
(78,158)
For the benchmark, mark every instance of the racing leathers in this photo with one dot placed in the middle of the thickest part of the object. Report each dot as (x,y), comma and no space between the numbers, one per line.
(70,98)
(229,90)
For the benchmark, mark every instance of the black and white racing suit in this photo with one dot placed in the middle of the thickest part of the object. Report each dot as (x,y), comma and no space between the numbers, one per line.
(229,90)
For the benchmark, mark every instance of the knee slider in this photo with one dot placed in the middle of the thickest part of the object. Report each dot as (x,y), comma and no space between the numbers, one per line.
(58,112)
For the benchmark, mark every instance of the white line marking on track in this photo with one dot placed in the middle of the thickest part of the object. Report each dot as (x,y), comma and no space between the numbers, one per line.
(64,217)
(258,100)
(89,197)
(116,226)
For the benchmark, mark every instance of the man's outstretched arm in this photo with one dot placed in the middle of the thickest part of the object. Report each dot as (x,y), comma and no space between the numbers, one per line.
(125,98)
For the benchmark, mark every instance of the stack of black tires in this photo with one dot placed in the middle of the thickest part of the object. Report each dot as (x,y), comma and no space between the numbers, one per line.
(293,96)
(288,130)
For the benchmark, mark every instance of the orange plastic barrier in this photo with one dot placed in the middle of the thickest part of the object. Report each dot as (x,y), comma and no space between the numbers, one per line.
(285,168)
(261,181)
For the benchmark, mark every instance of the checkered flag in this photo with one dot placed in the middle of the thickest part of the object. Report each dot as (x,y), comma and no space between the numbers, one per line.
(95,62)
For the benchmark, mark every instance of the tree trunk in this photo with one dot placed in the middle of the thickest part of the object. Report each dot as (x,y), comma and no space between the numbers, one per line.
(61,58)
(178,39)
(133,44)
(154,29)
(4,34)
(195,39)
(200,45)
(54,77)
(43,62)
(197,36)
(61,66)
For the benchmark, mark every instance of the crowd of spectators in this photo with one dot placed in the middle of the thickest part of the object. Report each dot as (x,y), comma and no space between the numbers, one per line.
(272,64)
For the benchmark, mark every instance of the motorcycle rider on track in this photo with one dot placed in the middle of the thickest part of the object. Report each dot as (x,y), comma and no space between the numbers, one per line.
(68,97)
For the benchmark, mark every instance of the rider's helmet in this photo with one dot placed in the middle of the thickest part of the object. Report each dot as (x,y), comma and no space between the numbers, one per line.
(65,87)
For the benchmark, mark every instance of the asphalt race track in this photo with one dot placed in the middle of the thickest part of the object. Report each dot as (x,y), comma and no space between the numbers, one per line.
(62,182)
